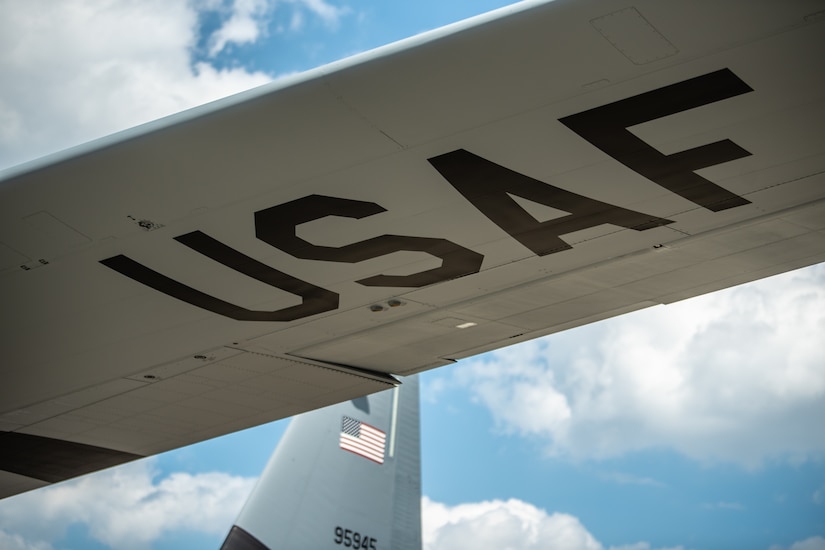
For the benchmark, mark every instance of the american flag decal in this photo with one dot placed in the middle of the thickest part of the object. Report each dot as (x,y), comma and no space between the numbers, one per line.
(362,439)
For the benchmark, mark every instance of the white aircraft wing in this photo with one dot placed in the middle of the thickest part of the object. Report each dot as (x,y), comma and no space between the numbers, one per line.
(529,171)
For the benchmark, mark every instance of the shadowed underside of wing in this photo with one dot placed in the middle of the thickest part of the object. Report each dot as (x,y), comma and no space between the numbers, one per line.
(533,170)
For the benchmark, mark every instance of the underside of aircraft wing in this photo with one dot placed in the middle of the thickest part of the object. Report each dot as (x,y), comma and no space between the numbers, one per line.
(529,171)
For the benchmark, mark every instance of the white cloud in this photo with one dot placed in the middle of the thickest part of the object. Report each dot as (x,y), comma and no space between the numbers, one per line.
(819,495)
(500,525)
(505,525)
(125,507)
(812,543)
(246,23)
(326,11)
(75,71)
(643,546)
(629,479)
(733,376)
(329,14)
(16,542)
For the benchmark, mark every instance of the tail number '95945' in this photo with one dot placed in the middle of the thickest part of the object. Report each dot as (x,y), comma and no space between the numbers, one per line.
(354,539)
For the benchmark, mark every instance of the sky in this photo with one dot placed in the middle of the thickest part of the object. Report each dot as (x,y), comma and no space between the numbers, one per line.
(697,425)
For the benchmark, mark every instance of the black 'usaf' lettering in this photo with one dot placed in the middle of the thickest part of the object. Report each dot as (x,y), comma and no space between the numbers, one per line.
(606,127)
(487,186)
(276,226)
(314,299)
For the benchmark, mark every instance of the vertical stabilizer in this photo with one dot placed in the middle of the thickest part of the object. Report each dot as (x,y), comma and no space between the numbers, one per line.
(346,476)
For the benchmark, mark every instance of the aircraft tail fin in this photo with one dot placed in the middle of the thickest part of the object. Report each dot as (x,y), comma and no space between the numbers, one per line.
(346,476)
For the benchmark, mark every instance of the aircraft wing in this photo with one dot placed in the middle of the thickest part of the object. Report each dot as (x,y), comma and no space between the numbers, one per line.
(529,171)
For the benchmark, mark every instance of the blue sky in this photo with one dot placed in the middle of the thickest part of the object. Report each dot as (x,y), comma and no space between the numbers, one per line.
(639,433)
